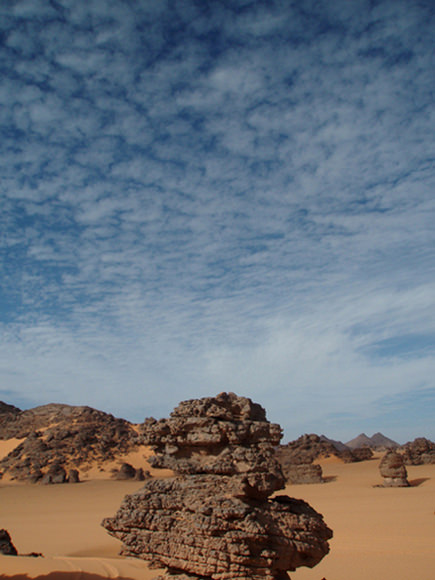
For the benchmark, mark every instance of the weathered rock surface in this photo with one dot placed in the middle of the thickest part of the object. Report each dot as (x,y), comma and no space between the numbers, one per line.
(72,437)
(127,471)
(6,546)
(55,474)
(419,452)
(8,410)
(393,470)
(356,455)
(303,473)
(73,476)
(215,519)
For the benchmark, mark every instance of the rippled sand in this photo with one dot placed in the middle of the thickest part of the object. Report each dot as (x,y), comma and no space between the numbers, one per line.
(385,534)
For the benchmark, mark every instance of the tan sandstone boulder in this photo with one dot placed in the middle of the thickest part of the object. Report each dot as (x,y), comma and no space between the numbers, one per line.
(393,470)
(215,519)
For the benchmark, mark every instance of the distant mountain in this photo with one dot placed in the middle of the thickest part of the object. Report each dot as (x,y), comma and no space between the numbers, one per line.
(377,441)
(361,441)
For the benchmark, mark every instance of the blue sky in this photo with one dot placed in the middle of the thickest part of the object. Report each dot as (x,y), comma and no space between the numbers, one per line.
(199,196)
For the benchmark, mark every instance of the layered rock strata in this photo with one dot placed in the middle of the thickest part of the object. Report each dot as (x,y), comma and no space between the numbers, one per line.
(393,470)
(215,518)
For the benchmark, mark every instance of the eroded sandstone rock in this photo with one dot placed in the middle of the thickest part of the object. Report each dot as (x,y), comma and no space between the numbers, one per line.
(73,437)
(303,473)
(215,519)
(419,452)
(393,470)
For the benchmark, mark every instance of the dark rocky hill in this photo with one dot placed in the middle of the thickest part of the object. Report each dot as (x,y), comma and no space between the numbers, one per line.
(8,410)
(69,436)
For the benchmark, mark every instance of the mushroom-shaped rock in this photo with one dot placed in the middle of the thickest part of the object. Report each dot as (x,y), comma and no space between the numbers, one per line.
(214,519)
(393,470)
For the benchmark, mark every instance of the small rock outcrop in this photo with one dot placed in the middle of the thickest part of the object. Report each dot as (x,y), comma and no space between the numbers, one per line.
(310,447)
(421,451)
(127,471)
(356,455)
(303,473)
(73,476)
(6,546)
(298,467)
(215,518)
(55,474)
(393,470)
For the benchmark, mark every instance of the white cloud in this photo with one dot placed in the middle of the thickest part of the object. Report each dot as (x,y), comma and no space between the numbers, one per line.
(208,199)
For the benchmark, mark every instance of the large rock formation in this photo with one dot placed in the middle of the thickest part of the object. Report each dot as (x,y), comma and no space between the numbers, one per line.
(419,452)
(215,518)
(393,470)
(61,435)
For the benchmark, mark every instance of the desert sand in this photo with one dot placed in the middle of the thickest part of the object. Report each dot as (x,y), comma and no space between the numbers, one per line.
(379,534)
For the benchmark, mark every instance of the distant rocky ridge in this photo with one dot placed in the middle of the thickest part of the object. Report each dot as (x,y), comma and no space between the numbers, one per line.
(297,457)
(59,438)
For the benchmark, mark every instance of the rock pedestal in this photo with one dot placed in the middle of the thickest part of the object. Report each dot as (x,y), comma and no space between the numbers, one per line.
(215,519)
(393,470)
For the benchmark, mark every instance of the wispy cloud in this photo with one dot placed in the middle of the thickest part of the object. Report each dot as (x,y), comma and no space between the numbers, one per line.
(213,196)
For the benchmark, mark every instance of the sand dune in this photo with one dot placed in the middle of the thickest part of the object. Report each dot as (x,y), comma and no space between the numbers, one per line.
(379,534)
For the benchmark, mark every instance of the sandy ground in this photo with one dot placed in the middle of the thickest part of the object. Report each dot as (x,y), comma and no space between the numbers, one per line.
(379,534)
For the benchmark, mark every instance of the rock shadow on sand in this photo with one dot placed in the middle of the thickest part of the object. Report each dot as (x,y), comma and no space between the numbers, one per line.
(417,482)
(329,478)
